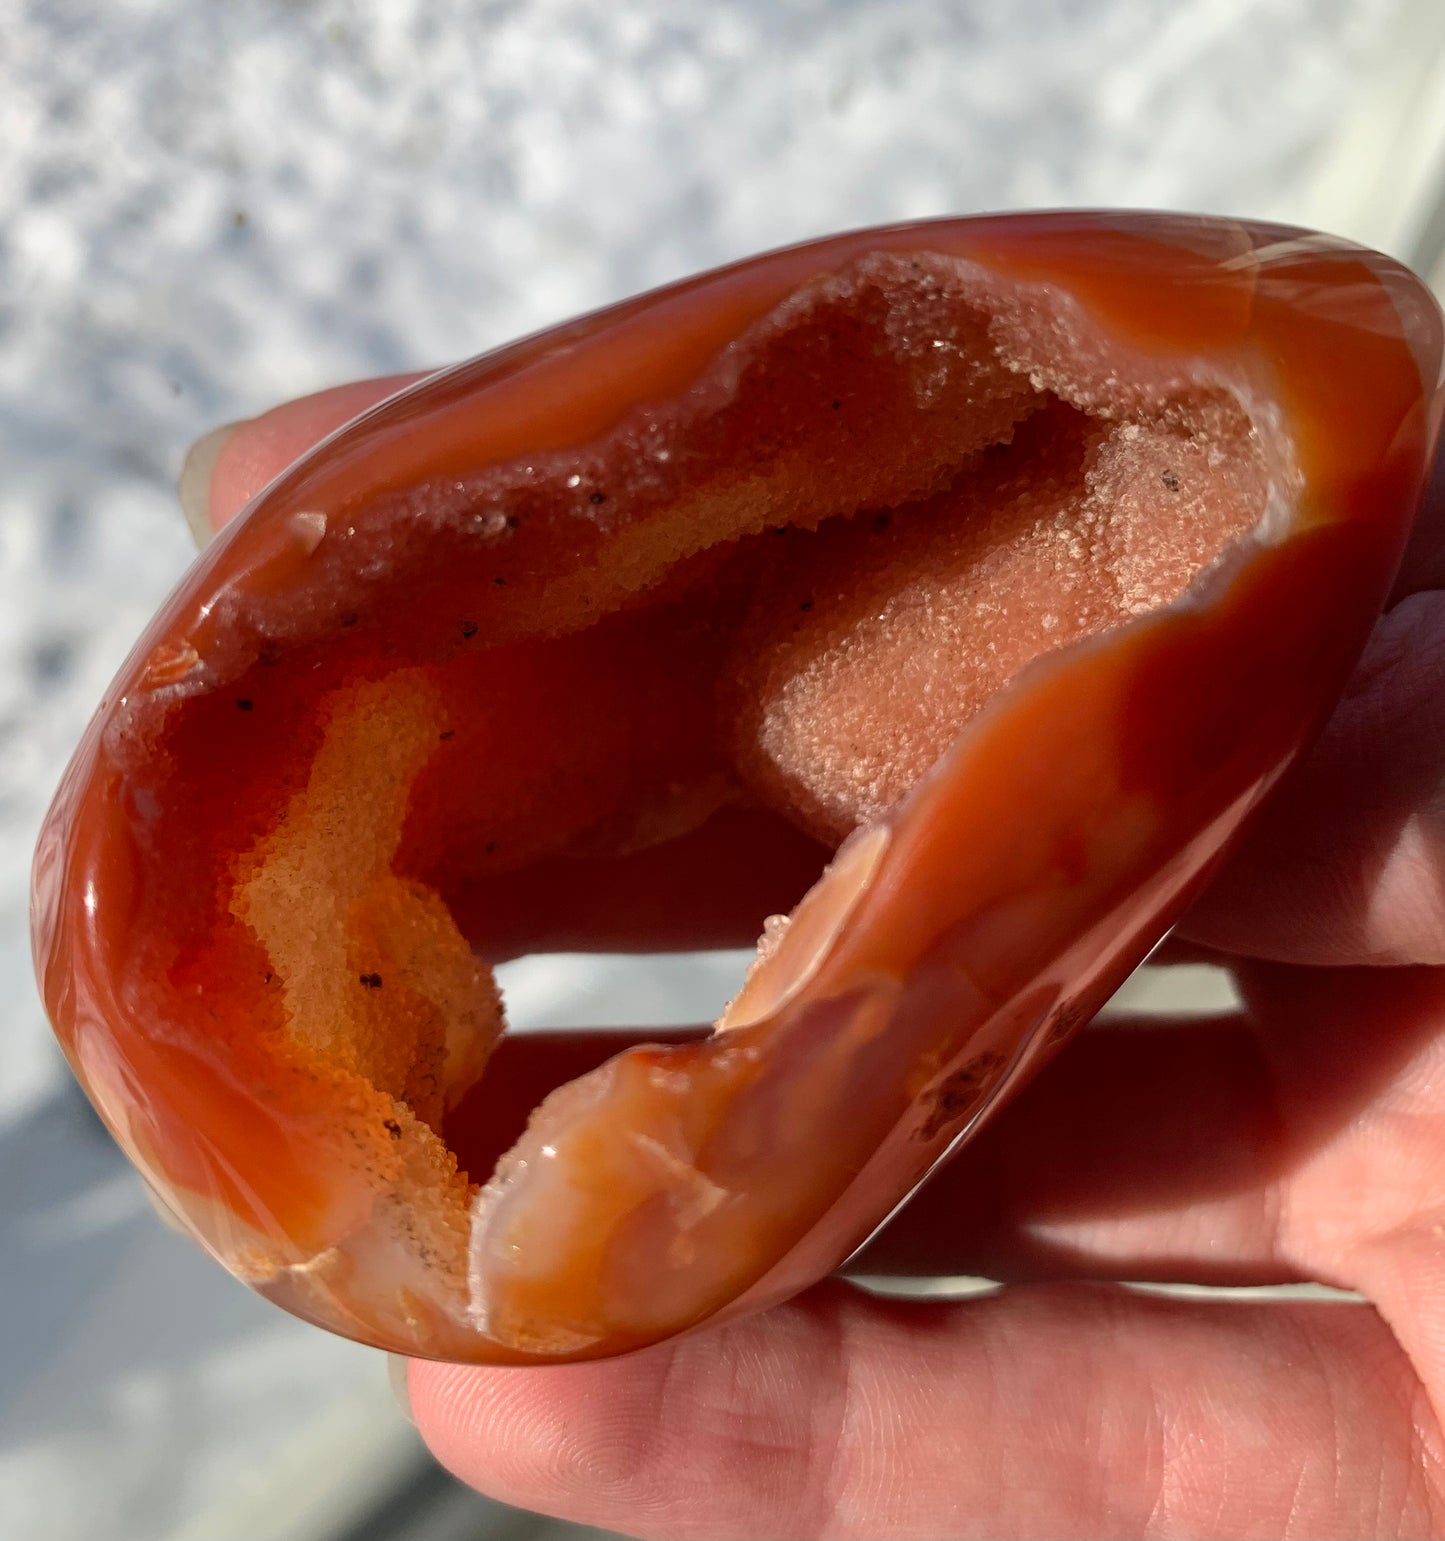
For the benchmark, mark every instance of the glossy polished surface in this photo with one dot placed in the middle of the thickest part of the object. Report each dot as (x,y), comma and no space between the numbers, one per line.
(1012,557)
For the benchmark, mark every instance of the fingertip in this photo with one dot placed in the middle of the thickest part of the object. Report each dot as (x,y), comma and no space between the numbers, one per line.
(573,1440)
(227,467)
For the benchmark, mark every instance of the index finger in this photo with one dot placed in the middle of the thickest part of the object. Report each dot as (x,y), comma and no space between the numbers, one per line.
(227,467)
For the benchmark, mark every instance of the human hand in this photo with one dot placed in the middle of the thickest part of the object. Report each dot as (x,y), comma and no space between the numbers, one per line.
(1301,1137)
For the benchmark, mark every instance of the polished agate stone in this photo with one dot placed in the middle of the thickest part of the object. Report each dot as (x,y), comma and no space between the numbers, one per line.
(999,564)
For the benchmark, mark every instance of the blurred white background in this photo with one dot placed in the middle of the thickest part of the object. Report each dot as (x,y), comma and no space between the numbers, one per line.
(206,208)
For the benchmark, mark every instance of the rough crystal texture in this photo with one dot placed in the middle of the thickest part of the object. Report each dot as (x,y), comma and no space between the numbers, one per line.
(1017,555)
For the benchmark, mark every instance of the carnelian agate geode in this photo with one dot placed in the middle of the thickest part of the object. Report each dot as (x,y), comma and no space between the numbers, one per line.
(1012,557)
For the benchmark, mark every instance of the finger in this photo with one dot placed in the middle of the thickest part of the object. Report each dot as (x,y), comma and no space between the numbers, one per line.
(1346,864)
(1151,1151)
(1262,1146)
(1051,1410)
(226,468)
(1423,564)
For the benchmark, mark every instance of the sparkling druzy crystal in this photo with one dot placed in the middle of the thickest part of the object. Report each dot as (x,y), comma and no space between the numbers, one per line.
(1009,559)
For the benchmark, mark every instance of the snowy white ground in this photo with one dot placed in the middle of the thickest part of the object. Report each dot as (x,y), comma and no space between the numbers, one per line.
(205,208)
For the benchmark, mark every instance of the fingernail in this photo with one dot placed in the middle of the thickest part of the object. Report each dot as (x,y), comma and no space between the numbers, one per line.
(193,487)
(396,1368)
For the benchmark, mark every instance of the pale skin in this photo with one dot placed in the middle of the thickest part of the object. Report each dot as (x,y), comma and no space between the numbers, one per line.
(1301,1138)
